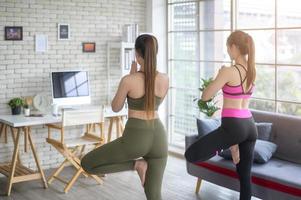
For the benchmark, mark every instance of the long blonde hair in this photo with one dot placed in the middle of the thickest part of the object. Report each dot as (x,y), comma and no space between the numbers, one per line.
(147,47)
(245,43)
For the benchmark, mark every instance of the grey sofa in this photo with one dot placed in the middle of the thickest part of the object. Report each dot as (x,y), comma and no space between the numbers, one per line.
(278,179)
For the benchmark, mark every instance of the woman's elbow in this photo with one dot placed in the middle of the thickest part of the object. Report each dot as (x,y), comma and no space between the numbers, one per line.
(115,107)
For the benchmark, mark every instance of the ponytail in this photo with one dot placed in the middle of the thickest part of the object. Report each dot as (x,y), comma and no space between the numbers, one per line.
(246,46)
(147,46)
(251,74)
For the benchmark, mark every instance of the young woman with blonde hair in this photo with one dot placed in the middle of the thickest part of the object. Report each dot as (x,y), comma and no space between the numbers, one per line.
(238,130)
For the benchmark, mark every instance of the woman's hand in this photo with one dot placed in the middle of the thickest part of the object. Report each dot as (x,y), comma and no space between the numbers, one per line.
(133,67)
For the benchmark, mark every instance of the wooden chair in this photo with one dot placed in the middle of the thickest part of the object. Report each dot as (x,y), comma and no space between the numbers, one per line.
(72,149)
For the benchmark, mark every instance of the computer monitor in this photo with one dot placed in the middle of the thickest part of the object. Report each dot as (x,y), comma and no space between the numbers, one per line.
(70,88)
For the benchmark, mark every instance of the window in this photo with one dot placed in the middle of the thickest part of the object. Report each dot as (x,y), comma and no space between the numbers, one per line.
(197,33)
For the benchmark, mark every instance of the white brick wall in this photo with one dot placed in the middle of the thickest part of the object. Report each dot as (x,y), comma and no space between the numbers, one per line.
(25,72)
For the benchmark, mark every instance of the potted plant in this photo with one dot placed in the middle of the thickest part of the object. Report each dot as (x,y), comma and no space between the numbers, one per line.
(16,105)
(208,108)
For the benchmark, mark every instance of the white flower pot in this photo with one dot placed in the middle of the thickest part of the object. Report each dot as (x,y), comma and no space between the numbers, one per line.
(26,111)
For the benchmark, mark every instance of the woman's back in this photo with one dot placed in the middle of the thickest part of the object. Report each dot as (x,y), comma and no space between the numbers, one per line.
(238,85)
(136,92)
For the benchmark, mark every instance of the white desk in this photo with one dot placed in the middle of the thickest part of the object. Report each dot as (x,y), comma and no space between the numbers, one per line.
(14,170)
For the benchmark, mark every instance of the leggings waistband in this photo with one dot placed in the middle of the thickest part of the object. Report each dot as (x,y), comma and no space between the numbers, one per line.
(237,113)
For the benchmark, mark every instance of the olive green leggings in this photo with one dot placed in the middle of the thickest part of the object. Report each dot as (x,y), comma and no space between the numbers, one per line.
(141,138)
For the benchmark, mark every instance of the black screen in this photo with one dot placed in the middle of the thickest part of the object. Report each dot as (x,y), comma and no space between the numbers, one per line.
(70,84)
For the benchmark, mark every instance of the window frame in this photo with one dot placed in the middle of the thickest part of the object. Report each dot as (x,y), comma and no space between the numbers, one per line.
(233,26)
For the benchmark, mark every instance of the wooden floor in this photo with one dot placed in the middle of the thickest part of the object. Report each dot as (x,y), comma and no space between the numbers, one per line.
(177,185)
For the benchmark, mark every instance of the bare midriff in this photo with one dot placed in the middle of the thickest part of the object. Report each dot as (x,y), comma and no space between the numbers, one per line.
(140,114)
(236,103)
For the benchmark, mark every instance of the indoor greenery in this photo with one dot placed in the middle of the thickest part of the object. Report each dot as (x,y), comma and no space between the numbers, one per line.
(16,102)
(207,107)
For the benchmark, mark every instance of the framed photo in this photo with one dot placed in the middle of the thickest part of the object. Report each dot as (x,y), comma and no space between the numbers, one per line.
(63,31)
(13,33)
(89,47)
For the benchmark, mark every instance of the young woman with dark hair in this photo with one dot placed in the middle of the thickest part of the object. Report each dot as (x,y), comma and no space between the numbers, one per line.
(143,145)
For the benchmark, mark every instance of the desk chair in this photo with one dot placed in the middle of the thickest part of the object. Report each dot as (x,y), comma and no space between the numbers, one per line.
(72,149)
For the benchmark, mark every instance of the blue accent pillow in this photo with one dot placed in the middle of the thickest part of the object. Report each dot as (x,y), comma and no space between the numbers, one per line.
(263,151)
(264,130)
(205,126)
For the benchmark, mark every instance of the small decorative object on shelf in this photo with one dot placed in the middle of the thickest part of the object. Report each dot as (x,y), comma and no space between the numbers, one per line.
(127,55)
(207,107)
(16,105)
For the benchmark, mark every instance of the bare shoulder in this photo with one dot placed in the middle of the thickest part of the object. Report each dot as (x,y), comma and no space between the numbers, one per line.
(126,78)
(227,70)
(132,77)
(163,77)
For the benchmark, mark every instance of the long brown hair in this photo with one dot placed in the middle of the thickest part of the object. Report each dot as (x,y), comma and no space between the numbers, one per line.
(244,42)
(147,47)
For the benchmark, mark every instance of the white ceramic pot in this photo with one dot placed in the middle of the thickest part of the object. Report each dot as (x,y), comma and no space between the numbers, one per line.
(26,111)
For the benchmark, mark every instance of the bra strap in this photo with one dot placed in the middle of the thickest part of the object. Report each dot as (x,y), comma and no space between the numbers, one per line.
(241,81)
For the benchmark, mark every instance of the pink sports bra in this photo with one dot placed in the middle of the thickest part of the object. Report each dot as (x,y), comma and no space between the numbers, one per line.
(237,92)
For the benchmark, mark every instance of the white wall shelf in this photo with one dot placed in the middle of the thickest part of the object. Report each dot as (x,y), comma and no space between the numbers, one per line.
(125,60)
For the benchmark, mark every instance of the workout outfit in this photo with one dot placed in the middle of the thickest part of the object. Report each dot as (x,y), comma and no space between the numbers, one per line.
(237,127)
(141,138)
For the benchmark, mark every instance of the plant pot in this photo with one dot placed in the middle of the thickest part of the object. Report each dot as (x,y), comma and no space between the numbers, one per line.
(16,110)
(26,112)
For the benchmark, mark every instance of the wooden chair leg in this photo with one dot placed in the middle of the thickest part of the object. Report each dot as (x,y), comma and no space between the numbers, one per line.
(72,181)
(13,164)
(1,129)
(110,130)
(57,171)
(121,125)
(5,134)
(98,180)
(198,185)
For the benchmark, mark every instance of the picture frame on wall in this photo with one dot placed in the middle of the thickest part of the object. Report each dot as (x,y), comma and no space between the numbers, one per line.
(63,32)
(89,47)
(13,32)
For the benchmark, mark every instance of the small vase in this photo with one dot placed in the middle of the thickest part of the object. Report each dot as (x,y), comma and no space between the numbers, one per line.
(16,110)
(26,112)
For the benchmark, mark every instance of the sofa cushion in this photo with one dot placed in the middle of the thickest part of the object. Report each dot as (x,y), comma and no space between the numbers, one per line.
(286,133)
(277,174)
(263,151)
(264,130)
(205,126)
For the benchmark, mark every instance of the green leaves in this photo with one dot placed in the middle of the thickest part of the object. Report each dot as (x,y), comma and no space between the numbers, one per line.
(205,84)
(207,107)
(16,102)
